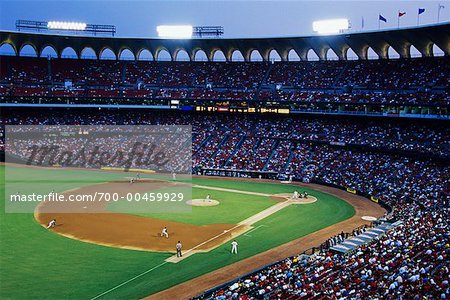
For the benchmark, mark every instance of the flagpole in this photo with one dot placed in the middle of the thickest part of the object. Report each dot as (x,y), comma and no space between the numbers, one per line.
(398,19)
(379,21)
(418,15)
(439,11)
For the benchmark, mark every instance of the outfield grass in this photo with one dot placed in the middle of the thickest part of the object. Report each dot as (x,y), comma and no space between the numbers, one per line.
(37,263)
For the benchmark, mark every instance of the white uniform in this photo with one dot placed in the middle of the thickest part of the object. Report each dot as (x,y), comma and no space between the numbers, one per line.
(165,233)
(234,245)
(295,196)
(51,224)
(174,176)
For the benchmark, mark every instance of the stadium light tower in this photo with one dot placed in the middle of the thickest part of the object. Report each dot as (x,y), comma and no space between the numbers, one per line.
(332,26)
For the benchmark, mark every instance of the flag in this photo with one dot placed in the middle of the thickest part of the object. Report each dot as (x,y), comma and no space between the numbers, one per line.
(401,14)
(421,10)
(441,6)
(381,18)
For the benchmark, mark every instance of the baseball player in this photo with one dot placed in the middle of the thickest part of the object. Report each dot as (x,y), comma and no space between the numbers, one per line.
(234,246)
(131,180)
(51,224)
(208,198)
(178,247)
(165,233)
(295,196)
(174,176)
(138,176)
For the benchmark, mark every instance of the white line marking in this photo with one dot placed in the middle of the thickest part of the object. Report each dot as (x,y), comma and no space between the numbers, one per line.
(247,233)
(129,280)
(230,190)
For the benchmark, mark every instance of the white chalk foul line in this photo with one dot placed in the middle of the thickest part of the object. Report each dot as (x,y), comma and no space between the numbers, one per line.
(247,233)
(129,280)
(230,190)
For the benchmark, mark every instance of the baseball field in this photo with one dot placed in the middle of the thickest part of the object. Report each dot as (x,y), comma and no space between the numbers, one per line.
(115,255)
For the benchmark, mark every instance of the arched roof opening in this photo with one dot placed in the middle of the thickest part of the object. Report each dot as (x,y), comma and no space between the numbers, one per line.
(107,54)
(88,53)
(145,54)
(293,56)
(255,56)
(28,50)
(200,55)
(48,52)
(126,54)
(219,56)
(7,49)
(274,56)
(69,52)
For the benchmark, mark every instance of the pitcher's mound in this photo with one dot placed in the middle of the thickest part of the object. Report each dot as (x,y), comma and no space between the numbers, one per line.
(288,196)
(202,202)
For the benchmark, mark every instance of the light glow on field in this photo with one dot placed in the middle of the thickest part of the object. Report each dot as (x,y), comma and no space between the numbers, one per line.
(174,31)
(330,26)
(66,25)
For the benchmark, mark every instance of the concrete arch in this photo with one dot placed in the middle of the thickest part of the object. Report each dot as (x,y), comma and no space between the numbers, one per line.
(293,55)
(48,50)
(351,55)
(69,53)
(88,53)
(255,55)
(311,55)
(218,55)
(274,55)
(144,54)
(106,53)
(25,50)
(437,51)
(163,54)
(371,54)
(181,55)
(126,54)
(237,55)
(200,55)
(414,52)
(392,53)
(9,47)
(331,55)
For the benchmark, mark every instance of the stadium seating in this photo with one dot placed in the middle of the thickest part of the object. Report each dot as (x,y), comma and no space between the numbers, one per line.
(393,82)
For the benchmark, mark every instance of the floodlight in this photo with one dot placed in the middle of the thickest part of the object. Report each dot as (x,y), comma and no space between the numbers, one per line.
(66,25)
(175,31)
(330,26)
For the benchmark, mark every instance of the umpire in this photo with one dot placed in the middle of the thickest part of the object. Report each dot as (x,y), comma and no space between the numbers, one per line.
(179,246)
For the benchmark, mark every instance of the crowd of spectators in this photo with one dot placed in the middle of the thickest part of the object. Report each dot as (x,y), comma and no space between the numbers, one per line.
(394,82)
(409,262)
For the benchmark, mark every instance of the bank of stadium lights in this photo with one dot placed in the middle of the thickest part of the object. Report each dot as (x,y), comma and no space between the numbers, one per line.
(66,25)
(188,31)
(57,26)
(331,26)
(175,31)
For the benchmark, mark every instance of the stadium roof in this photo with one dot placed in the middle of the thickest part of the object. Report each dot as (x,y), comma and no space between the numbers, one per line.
(423,38)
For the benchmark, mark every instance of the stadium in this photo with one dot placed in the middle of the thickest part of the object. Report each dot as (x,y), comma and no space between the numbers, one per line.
(312,166)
